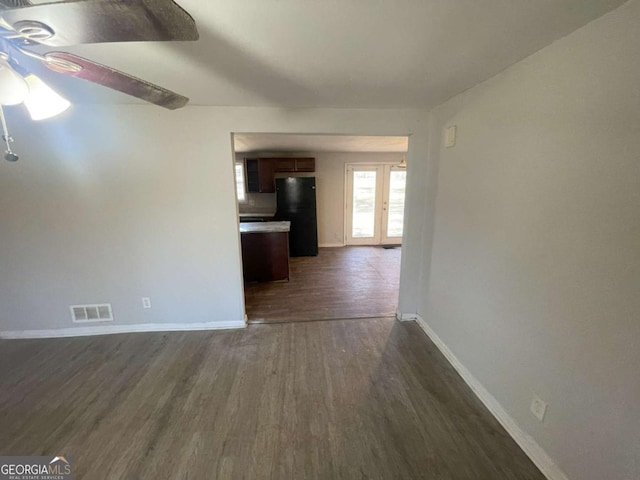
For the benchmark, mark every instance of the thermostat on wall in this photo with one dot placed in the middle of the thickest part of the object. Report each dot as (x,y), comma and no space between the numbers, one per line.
(450,136)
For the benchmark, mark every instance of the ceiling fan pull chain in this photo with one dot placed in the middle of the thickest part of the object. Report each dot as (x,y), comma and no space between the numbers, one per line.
(8,155)
(5,132)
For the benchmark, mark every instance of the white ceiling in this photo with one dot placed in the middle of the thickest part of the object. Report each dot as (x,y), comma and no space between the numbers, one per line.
(339,53)
(274,142)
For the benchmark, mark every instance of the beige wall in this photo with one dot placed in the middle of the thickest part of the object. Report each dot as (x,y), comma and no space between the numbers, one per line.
(115,203)
(535,269)
(330,177)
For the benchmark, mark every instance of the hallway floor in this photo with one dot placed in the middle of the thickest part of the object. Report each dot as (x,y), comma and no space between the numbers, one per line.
(348,282)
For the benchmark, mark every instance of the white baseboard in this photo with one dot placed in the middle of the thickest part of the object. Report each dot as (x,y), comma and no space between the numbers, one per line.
(111,329)
(406,317)
(526,442)
(330,245)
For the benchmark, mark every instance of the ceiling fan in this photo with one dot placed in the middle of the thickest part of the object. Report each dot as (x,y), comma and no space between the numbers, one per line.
(61,23)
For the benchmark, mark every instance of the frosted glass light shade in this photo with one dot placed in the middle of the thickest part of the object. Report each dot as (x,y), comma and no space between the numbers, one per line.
(13,88)
(42,101)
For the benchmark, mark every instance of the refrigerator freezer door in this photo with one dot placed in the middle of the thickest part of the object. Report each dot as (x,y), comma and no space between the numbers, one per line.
(296,194)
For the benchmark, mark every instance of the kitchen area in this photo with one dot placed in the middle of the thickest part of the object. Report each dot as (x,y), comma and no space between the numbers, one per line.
(320,220)
(277,210)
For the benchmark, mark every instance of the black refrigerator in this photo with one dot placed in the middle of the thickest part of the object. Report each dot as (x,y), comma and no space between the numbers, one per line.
(296,199)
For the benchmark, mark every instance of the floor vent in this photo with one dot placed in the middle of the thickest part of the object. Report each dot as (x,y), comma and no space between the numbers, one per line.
(91,313)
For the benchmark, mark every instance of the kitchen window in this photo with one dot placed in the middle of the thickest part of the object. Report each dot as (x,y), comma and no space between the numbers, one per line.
(240,183)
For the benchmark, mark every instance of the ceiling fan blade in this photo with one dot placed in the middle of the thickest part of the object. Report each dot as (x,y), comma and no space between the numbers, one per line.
(112,78)
(14,3)
(102,21)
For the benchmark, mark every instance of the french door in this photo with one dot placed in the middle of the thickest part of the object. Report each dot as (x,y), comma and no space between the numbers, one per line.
(375,204)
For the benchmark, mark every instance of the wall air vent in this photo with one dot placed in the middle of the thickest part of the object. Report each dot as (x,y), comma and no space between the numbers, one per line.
(91,313)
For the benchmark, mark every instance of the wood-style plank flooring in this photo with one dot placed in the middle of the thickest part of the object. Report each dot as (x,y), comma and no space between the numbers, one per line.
(349,282)
(354,399)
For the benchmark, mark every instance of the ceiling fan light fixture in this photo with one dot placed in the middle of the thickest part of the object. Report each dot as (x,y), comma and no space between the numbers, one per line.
(13,88)
(42,101)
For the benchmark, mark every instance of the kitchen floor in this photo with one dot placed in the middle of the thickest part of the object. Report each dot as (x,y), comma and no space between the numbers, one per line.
(347,282)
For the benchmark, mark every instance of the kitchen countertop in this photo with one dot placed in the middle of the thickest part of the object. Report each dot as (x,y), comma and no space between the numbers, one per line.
(256,214)
(264,227)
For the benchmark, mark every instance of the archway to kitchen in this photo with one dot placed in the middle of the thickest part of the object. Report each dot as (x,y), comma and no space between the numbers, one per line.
(321,220)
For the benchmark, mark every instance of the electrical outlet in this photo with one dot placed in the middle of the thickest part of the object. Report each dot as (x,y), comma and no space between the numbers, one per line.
(146,302)
(538,407)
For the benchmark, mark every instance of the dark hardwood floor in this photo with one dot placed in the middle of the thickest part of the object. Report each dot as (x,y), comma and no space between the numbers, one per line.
(356,399)
(349,282)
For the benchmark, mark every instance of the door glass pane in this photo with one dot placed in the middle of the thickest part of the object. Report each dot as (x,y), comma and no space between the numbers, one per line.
(364,204)
(395,220)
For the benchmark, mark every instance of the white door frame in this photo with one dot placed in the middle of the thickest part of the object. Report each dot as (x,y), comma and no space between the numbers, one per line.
(385,239)
(360,167)
(381,204)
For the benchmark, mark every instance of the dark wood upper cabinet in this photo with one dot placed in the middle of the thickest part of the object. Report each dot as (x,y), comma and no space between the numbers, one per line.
(253,175)
(259,175)
(266,171)
(260,171)
(305,164)
(284,164)
(294,164)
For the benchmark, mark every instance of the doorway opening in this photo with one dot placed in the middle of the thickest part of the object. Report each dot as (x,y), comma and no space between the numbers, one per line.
(358,187)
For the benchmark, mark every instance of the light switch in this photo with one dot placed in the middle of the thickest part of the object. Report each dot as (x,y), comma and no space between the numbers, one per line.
(450,136)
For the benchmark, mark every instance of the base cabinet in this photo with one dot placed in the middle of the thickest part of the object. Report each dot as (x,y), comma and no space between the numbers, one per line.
(265,256)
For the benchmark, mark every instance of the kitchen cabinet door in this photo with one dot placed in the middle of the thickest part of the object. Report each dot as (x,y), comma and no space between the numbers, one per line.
(284,164)
(305,164)
(293,164)
(265,256)
(265,174)
(253,175)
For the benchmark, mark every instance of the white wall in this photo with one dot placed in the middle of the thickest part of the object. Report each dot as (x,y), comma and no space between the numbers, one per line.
(112,203)
(330,184)
(535,269)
